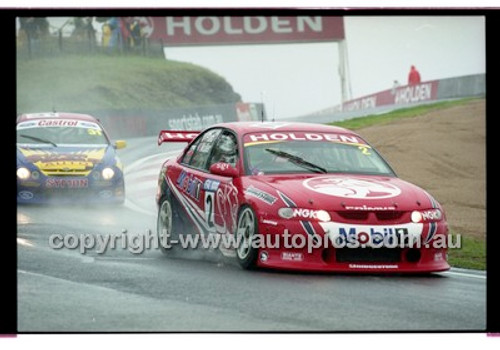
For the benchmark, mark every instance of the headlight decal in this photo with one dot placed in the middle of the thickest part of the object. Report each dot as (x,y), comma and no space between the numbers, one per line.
(288,202)
(306,225)
(434,203)
(431,232)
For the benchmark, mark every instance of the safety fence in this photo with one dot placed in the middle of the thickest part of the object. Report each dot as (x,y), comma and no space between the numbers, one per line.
(37,37)
(142,122)
(402,96)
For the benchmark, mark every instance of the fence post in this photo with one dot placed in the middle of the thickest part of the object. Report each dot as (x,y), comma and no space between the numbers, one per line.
(60,40)
(89,37)
(28,36)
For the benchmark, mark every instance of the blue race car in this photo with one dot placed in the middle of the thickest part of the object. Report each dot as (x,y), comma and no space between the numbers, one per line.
(67,157)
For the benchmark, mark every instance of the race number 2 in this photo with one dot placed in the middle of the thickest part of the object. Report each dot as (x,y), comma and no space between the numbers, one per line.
(209,209)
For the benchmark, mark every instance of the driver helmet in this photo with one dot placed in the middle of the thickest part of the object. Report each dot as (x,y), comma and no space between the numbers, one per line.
(227,149)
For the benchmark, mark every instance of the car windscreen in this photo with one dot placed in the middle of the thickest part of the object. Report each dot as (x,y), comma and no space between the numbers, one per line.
(283,153)
(77,133)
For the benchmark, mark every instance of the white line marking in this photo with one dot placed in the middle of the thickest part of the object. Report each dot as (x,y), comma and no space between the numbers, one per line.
(144,186)
(465,274)
(148,185)
(25,242)
(153,173)
(161,156)
(135,207)
(123,258)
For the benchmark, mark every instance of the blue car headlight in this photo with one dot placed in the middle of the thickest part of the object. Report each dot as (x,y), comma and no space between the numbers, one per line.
(23,173)
(107,173)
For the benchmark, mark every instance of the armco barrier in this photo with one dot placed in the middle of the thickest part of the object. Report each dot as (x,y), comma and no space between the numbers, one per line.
(142,122)
(403,96)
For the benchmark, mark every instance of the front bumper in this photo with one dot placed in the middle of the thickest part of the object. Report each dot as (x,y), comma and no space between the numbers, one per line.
(322,255)
(39,192)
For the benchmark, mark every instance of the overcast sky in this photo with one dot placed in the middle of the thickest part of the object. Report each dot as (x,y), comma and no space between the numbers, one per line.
(295,79)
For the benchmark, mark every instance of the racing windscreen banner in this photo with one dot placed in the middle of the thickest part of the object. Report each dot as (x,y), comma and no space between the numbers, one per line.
(240,30)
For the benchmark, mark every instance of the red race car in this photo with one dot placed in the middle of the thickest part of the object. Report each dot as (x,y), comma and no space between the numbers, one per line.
(296,196)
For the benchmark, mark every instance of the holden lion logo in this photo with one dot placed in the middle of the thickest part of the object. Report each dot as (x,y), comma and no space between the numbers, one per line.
(352,188)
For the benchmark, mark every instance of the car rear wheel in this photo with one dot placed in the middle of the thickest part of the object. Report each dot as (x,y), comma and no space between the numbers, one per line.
(166,226)
(246,230)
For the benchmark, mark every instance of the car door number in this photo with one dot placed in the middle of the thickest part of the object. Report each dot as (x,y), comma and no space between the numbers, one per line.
(209,209)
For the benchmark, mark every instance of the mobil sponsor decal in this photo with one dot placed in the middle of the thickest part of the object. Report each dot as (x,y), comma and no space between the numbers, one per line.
(342,234)
(371,234)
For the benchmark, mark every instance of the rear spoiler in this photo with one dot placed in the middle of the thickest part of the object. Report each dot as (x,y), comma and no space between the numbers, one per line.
(176,136)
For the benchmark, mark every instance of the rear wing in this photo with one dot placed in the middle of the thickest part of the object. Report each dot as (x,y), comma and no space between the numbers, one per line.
(176,136)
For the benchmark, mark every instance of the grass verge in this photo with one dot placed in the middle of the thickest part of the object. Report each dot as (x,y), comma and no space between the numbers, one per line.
(471,254)
(369,120)
(86,83)
(472,251)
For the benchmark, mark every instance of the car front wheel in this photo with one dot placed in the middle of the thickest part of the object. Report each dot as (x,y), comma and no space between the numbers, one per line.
(246,230)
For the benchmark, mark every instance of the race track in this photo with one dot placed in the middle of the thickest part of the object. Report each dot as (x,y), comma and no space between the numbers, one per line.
(62,290)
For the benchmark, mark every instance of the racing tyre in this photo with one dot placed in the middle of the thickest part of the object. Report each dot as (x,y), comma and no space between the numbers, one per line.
(167,226)
(246,230)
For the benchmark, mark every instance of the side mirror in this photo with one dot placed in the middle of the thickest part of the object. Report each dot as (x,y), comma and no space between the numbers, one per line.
(224,169)
(119,144)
